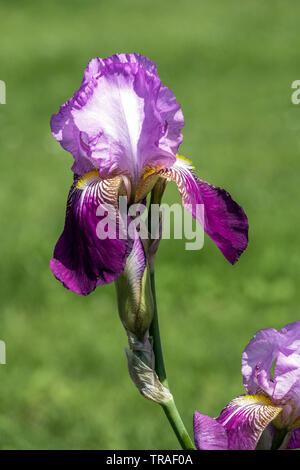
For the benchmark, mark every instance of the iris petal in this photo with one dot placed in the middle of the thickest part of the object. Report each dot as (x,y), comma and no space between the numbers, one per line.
(208,433)
(81,259)
(239,426)
(120,119)
(245,418)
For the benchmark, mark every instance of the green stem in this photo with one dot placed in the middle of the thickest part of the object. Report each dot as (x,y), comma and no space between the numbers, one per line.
(154,332)
(169,408)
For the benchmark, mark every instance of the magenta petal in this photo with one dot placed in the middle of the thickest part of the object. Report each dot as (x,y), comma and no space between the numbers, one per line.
(287,383)
(245,418)
(208,433)
(96,65)
(294,442)
(239,426)
(82,260)
(224,220)
(281,348)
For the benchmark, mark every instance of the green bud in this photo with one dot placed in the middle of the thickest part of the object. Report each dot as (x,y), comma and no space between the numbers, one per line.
(135,300)
(146,379)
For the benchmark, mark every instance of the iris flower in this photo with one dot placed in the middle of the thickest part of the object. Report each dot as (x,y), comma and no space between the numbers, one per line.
(123,129)
(268,417)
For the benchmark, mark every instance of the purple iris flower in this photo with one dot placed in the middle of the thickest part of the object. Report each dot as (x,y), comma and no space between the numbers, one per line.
(269,416)
(123,129)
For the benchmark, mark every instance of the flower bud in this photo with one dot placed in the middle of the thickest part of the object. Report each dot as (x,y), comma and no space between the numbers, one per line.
(135,301)
(146,379)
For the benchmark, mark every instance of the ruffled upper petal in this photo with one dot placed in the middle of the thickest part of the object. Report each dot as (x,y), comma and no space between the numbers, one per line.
(239,426)
(121,118)
(83,259)
(224,220)
(281,348)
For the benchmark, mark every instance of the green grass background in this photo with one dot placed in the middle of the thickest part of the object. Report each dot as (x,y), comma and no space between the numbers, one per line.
(231,65)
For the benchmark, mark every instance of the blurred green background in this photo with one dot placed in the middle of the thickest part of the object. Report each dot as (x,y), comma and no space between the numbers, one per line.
(231,65)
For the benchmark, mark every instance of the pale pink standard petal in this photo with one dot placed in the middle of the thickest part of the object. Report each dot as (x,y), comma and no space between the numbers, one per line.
(121,118)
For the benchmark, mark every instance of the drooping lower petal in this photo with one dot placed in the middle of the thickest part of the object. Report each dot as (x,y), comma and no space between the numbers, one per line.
(82,258)
(245,418)
(224,220)
(208,433)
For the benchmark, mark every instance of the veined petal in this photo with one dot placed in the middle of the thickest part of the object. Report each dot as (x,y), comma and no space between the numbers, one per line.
(245,418)
(257,360)
(224,220)
(208,433)
(81,259)
(121,118)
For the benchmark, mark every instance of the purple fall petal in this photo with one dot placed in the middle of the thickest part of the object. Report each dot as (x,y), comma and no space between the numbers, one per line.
(224,220)
(81,260)
(208,433)
(244,420)
(257,360)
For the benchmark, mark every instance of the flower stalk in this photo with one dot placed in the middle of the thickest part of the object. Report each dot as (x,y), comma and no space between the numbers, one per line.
(169,408)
